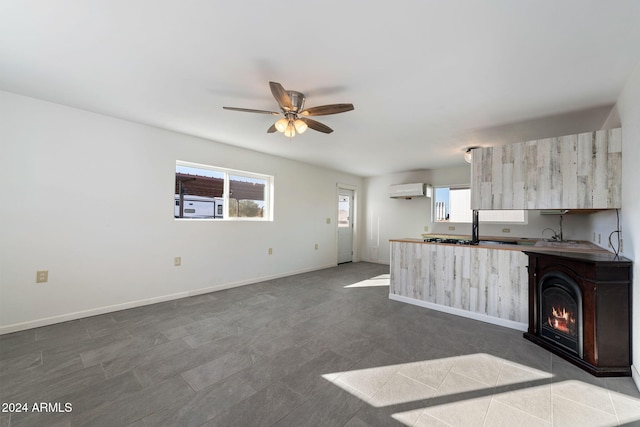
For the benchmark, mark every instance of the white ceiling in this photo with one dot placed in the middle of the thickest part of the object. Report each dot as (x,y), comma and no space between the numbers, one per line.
(427,78)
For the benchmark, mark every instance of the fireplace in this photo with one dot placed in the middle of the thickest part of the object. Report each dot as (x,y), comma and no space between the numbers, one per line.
(560,314)
(579,309)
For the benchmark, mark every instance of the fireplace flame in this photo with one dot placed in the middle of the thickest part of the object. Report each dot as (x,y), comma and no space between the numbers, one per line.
(562,320)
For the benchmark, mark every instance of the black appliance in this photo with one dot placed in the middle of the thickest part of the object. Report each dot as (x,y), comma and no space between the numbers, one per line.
(451,241)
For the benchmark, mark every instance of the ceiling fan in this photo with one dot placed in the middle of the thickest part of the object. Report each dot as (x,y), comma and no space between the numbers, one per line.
(295,118)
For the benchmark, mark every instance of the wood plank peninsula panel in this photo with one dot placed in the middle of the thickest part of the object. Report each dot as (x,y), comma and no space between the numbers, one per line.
(490,285)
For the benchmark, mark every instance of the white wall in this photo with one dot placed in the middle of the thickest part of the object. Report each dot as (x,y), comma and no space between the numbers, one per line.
(387,218)
(397,218)
(629,108)
(90,199)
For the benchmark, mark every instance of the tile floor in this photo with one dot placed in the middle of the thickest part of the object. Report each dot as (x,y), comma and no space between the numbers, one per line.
(325,348)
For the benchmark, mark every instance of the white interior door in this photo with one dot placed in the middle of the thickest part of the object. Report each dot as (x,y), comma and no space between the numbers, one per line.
(345,225)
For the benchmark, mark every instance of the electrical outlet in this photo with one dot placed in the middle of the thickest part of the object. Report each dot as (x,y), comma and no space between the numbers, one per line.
(270,251)
(599,238)
(426,228)
(316,247)
(506,230)
(177,261)
(42,276)
(451,228)
(594,236)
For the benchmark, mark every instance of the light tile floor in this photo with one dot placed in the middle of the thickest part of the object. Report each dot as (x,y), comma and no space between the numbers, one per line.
(325,348)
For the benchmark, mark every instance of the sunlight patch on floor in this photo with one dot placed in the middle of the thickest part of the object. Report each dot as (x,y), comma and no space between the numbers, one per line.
(464,389)
(381,280)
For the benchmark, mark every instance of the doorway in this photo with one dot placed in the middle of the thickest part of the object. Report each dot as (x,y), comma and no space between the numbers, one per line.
(345,224)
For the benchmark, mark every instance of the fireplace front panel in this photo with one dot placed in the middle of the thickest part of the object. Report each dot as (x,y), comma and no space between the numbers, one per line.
(561,312)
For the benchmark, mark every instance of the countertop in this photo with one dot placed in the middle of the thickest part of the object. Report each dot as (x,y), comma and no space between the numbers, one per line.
(519,244)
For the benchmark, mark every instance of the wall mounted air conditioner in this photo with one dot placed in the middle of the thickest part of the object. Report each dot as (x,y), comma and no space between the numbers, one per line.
(408,191)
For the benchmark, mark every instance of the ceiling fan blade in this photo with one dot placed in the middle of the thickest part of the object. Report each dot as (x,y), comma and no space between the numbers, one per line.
(272,129)
(325,110)
(248,110)
(281,96)
(315,125)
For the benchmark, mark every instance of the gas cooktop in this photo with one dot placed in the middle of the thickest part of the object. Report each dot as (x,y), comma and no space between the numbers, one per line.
(449,240)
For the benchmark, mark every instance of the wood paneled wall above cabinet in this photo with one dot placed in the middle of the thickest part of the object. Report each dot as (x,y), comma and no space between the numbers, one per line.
(570,172)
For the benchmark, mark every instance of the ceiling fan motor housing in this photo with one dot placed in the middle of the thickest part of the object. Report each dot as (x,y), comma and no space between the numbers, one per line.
(297,100)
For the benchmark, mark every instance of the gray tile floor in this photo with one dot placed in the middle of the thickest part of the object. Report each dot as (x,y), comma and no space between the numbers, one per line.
(325,348)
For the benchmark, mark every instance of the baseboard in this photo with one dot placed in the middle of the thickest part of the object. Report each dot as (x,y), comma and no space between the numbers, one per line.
(380,262)
(635,376)
(7,329)
(462,313)
(224,286)
(88,313)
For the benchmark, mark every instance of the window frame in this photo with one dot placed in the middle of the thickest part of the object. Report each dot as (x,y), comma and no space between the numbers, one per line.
(525,215)
(268,208)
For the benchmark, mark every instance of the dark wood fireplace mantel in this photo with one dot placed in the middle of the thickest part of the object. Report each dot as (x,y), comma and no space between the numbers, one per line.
(605,282)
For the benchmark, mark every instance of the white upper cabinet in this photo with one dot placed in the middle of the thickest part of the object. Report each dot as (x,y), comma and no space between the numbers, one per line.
(570,172)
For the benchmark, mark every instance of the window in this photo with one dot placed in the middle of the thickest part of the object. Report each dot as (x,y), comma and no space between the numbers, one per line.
(343,210)
(208,192)
(453,204)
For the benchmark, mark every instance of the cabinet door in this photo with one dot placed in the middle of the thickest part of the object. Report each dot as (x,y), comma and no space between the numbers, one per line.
(487,177)
(599,161)
(607,169)
(497,179)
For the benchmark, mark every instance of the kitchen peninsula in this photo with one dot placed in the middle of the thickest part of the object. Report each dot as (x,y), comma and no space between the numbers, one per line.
(486,282)
(489,281)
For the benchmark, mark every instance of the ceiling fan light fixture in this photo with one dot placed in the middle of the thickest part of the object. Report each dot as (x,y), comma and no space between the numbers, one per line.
(300,125)
(290,131)
(468,154)
(282,124)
